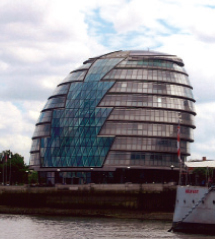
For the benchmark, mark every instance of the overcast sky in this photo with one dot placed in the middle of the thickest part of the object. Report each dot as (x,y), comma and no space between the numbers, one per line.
(41,41)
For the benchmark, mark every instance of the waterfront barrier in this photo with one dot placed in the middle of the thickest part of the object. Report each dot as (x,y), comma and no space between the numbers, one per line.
(150,187)
(136,197)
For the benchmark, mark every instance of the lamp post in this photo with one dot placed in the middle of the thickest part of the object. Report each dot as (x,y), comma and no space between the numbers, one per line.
(58,176)
(6,168)
(5,155)
(179,148)
(172,167)
(27,172)
(2,168)
(10,156)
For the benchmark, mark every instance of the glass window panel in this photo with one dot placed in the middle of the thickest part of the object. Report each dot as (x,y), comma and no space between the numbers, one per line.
(75,76)
(45,117)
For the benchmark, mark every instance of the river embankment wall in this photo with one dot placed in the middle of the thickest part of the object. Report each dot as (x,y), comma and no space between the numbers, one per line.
(140,201)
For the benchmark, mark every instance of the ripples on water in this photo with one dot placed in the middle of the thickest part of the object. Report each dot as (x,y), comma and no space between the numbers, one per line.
(38,227)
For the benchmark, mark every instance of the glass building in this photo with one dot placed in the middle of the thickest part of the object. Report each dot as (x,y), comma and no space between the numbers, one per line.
(114,120)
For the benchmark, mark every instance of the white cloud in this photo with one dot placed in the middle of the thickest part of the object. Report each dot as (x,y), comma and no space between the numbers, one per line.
(204,144)
(3,66)
(27,54)
(16,127)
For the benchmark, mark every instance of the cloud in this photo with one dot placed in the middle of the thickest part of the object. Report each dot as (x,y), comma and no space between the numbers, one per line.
(152,18)
(204,135)
(39,44)
(198,62)
(17,126)
(21,12)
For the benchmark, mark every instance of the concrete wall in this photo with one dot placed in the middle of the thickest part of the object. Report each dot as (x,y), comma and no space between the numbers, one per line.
(148,198)
(97,187)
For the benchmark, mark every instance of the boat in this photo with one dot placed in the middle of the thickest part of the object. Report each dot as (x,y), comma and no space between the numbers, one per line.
(195,205)
(194,210)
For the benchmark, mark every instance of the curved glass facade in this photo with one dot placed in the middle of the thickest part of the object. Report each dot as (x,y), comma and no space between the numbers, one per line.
(150,75)
(117,110)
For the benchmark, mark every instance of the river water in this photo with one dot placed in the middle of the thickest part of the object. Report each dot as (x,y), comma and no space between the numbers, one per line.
(41,227)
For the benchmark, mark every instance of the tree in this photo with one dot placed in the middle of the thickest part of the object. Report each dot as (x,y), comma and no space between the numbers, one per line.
(12,168)
(33,177)
(203,174)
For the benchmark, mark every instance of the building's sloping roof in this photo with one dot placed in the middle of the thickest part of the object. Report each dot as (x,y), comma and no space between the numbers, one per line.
(201,164)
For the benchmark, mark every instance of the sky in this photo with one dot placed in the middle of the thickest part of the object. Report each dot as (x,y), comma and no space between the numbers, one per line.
(41,41)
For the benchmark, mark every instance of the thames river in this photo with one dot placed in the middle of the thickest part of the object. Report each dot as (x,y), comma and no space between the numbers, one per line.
(39,227)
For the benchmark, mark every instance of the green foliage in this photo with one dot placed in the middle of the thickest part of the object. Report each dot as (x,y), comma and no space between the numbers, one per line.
(203,173)
(13,168)
(33,177)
